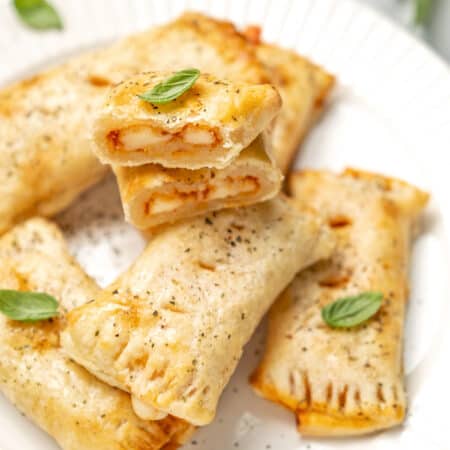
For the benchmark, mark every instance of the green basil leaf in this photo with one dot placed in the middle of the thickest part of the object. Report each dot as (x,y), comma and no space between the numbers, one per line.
(172,88)
(38,14)
(27,306)
(352,311)
(422,11)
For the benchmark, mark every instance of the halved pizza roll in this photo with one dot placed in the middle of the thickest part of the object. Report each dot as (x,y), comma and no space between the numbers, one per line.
(153,195)
(46,152)
(303,87)
(345,381)
(73,406)
(207,126)
(172,328)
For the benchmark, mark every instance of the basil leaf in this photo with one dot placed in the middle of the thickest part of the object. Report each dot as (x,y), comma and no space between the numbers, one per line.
(38,14)
(422,11)
(352,311)
(172,88)
(27,306)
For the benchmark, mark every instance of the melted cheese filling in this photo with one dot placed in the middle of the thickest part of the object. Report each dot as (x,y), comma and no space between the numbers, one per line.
(198,136)
(162,202)
(140,137)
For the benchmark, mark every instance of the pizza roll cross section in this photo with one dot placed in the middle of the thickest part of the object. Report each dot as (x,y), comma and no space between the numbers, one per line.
(152,195)
(207,126)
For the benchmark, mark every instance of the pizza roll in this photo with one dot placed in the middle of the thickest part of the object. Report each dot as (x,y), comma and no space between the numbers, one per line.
(172,328)
(304,88)
(153,195)
(342,382)
(46,157)
(207,126)
(73,406)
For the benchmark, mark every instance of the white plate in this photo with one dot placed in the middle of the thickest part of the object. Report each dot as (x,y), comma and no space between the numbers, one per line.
(390,113)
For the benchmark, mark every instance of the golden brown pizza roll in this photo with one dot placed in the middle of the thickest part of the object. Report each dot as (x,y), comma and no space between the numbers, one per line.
(345,381)
(303,86)
(153,195)
(206,126)
(45,153)
(209,44)
(78,410)
(172,328)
